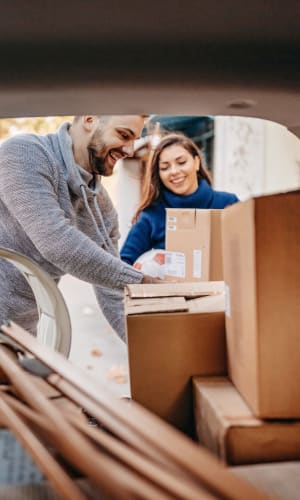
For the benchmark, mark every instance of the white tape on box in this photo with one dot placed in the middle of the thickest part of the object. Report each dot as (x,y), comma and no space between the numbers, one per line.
(197,263)
(227,301)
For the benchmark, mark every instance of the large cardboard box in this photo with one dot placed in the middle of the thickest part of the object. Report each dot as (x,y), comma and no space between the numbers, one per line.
(173,333)
(225,424)
(193,238)
(261,249)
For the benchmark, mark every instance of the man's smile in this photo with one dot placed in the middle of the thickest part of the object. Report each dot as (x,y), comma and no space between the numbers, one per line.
(116,154)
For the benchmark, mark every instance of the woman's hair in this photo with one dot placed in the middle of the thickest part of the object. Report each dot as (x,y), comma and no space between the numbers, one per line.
(152,185)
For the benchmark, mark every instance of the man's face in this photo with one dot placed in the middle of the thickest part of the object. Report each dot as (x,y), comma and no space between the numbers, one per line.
(113,140)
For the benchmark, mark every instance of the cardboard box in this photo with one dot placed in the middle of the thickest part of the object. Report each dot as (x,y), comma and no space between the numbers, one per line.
(279,481)
(225,424)
(261,249)
(169,342)
(193,238)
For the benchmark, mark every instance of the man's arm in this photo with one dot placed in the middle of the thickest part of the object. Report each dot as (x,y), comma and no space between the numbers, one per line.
(111,302)
(28,189)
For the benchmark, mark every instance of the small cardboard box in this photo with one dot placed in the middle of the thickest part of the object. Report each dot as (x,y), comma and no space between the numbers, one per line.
(174,331)
(261,249)
(193,242)
(225,424)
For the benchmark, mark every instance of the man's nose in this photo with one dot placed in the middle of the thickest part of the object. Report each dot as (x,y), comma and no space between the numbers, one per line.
(128,148)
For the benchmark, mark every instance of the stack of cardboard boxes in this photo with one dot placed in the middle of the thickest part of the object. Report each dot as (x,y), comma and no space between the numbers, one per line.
(250,413)
(257,414)
(174,331)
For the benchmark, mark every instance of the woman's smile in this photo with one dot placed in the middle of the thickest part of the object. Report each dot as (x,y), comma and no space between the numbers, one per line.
(178,170)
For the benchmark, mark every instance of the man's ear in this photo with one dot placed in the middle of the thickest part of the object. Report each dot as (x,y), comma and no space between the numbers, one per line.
(89,122)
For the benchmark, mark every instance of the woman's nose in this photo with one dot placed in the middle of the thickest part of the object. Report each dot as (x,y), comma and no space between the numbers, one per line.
(173,168)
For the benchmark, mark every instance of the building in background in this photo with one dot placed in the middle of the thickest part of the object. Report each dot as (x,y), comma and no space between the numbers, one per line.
(247,156)
(199,128)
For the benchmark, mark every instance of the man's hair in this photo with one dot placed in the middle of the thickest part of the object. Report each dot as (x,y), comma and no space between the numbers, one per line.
(103,118)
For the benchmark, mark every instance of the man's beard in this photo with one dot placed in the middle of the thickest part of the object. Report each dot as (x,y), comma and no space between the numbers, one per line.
(97,161)
(102,159)
(98,151)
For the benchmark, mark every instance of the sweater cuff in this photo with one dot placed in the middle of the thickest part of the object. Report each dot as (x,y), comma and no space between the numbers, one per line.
(129,275)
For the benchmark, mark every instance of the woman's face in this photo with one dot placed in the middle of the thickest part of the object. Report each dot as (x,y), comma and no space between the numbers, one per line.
(178,170)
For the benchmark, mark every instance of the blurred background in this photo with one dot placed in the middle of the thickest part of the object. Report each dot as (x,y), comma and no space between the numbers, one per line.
(247,156)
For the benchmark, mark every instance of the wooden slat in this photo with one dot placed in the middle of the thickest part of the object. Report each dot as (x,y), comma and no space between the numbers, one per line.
(174,485)
(114,479)
(48,465)
(159,436)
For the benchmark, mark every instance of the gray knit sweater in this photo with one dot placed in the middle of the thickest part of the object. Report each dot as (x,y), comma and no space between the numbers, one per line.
(50,212)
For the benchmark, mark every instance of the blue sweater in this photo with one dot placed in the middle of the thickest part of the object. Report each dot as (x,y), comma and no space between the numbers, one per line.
(149,231)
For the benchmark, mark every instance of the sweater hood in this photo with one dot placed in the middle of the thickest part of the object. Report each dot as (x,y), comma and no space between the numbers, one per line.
(82,183)
(76,175)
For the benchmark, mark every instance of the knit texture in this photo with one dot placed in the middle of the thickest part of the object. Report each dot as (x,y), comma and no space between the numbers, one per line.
(149,231)
(52,211)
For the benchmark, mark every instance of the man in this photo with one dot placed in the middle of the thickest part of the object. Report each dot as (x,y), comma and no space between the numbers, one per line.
(54,209)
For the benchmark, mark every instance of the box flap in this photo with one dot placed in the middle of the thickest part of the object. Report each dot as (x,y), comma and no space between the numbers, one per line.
(195,289)
(156,305)
(211,303)
(181,219)
(276,194)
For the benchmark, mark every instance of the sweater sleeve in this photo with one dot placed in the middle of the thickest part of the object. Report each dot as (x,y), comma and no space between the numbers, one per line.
(138,240)
(28,188)
(111,303)
(232,199)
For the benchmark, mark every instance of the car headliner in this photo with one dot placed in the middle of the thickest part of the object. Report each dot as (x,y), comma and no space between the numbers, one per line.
(169,57)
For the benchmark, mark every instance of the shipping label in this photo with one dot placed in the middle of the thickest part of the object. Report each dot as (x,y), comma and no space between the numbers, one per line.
(175,264)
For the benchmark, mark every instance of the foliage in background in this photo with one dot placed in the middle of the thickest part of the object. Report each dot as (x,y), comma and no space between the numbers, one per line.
(38,125)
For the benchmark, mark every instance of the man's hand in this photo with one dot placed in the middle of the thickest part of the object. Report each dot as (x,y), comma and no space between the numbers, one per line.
(149,279)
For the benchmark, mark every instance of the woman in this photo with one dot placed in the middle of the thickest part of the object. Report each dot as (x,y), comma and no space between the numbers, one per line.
(176,179)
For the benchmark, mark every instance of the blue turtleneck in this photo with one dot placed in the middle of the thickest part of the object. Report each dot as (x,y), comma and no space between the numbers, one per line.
(149,231)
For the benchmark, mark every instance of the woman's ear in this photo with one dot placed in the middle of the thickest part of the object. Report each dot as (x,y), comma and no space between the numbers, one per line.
(197,163)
